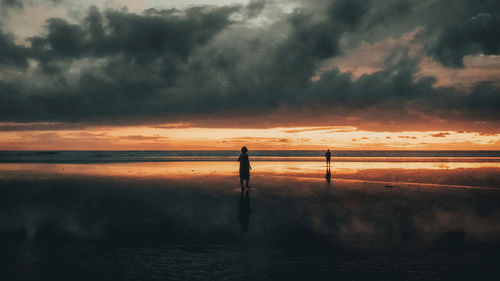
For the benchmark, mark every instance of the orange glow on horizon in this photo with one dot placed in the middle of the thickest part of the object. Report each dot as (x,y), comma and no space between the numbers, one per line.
(170,137)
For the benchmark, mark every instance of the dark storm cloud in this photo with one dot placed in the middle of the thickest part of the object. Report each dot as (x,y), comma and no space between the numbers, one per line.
(164,62)
(255,7)
(10,53)
(19,4)
(142,55)
(207,63)
(476,29)
(11,4)
(138,39)
(451,29)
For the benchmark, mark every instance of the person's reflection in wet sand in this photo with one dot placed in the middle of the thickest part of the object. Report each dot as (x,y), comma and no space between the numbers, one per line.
(328,175)
(244,212)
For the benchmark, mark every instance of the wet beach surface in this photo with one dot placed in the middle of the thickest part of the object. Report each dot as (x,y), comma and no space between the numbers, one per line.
(132,222)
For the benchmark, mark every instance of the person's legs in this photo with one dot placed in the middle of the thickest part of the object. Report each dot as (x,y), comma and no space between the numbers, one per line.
(241,182)
(248,179)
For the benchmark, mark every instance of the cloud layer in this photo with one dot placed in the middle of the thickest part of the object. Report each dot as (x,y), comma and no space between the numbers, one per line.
(250,63)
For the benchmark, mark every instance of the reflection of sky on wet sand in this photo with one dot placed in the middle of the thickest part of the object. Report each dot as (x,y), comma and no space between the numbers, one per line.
(204,196)
(292,212)
(444,173)
(172,169)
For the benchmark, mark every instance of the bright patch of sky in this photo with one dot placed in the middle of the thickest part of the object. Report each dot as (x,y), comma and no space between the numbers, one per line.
(28,21)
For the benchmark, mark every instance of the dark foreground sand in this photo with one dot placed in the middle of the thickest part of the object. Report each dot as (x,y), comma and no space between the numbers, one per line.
(91,226)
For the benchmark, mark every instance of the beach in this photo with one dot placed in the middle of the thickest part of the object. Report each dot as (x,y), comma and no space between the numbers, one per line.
(249,140)
(191,221)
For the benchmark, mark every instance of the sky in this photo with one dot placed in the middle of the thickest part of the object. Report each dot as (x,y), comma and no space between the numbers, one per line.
(219,74)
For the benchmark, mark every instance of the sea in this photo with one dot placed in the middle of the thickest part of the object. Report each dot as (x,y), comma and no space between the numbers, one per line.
(107,156)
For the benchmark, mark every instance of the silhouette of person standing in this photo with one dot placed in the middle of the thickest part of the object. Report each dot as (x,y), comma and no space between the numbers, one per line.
(244,167)
(328,156)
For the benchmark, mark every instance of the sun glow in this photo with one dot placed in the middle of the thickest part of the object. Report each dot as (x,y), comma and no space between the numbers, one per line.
(182,137)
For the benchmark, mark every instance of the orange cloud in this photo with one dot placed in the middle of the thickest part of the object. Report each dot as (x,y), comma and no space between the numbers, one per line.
(439,135)
(328,129)
(303,138)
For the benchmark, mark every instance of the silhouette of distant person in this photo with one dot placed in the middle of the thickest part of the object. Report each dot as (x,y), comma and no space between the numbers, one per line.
(244,167)
(244,213)
(328,156)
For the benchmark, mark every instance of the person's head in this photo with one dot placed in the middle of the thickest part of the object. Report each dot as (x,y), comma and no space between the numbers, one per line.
(244,149)
(328,150)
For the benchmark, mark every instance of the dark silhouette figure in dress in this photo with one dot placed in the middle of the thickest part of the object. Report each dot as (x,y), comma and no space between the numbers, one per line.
(244,212)
(244,167)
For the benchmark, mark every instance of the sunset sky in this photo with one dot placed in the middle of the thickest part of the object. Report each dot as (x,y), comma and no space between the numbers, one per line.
(218,74)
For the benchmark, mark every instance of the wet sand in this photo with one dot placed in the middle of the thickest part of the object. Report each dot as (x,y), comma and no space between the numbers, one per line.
(184,221)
